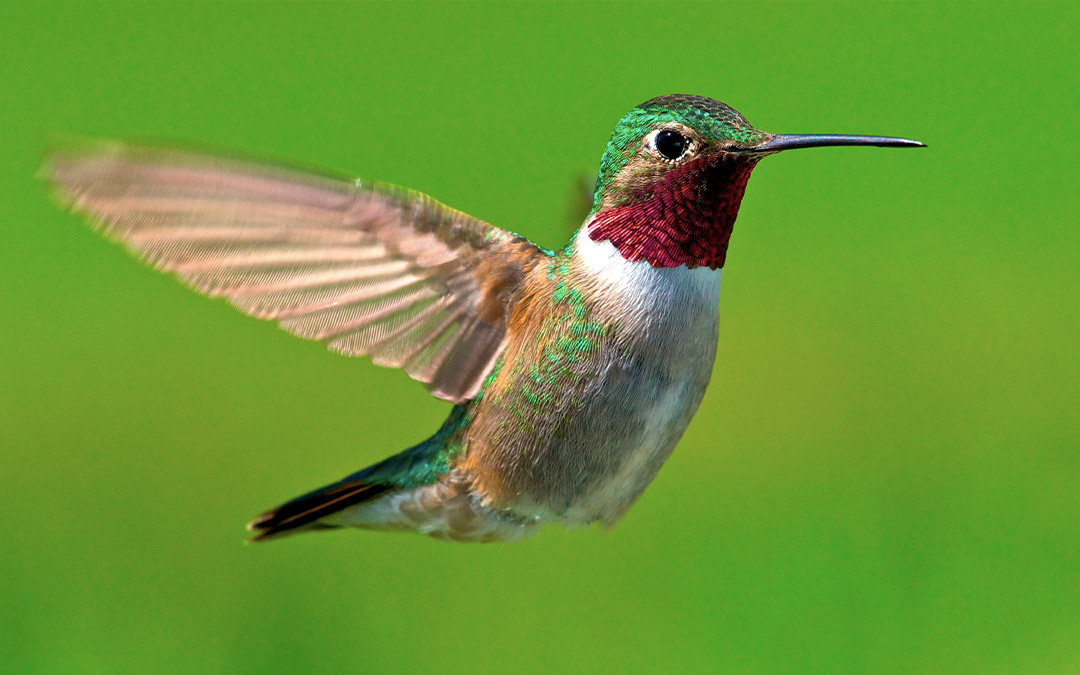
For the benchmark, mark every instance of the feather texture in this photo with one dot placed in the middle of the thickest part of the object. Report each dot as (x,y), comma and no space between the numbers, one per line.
(368,269)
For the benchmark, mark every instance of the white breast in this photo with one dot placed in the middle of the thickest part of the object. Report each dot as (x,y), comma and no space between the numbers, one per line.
(644,286)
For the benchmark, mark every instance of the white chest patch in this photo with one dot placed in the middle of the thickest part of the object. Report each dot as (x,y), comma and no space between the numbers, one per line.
(639,283)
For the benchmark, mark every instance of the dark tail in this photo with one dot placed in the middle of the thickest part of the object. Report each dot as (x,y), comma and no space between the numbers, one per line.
(419,465)
(303,513)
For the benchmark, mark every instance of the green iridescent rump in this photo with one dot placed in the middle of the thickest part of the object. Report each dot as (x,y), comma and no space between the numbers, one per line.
(421,464)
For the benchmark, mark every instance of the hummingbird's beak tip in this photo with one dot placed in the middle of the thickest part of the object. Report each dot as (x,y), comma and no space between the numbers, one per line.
(899,143)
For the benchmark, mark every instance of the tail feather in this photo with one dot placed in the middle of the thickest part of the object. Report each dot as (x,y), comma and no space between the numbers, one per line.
(303,513)
(421,464)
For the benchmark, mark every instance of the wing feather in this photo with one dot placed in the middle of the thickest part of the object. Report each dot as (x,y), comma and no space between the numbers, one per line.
(368,269)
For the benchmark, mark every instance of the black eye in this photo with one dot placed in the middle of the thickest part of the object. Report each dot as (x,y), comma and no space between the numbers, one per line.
(671,144)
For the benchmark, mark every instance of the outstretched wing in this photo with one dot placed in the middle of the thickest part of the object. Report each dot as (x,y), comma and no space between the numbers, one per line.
(368,269)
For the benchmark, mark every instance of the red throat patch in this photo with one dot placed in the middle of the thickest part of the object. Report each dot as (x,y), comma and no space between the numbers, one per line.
(687,220)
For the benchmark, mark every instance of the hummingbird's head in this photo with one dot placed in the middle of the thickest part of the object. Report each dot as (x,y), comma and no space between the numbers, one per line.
(673,176)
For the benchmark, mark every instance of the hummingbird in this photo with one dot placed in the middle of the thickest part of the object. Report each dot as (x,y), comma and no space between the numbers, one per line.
(574,372)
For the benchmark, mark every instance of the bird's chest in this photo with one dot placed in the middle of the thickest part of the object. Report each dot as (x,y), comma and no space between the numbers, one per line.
(591,397)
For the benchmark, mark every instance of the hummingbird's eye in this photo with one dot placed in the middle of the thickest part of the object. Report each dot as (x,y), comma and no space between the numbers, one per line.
(671,144)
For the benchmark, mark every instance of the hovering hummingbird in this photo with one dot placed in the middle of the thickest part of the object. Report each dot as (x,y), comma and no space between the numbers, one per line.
(574,372)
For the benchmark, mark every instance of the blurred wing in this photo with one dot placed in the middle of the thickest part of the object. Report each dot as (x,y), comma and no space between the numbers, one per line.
(368,269)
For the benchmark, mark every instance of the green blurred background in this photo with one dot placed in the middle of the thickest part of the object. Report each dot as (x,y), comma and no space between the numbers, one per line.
(883,477)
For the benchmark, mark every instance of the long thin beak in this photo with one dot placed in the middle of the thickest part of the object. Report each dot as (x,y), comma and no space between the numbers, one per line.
(789,141)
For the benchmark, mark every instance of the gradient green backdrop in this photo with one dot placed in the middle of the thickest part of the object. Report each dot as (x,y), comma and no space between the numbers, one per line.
(883,477)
